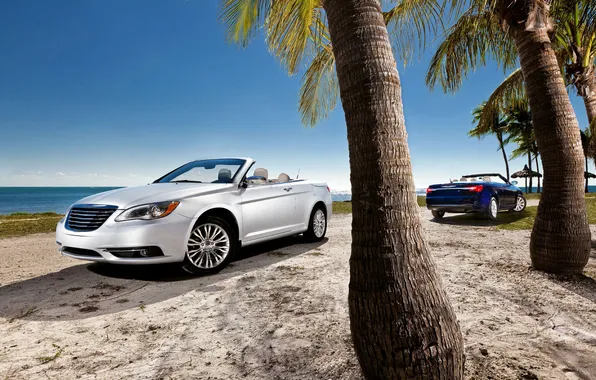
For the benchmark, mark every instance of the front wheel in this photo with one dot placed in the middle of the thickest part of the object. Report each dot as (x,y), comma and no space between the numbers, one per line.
(211,246)
(520,204)
(317,225)
(493,209)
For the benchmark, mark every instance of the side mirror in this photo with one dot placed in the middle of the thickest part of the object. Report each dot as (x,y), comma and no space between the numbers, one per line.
(243,184)
(514,183)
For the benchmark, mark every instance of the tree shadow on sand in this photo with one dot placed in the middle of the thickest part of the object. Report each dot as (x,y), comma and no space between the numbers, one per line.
(477,220)
(89,290)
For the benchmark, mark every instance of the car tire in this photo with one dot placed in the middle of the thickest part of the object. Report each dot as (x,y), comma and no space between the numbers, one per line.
(205,249)
(317,225)
(438,214)
(493,209)
(520,204)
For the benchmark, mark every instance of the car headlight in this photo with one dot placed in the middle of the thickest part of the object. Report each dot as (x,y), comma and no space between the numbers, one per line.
(149,211)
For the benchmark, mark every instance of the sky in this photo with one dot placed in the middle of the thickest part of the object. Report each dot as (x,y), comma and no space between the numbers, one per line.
(118,93)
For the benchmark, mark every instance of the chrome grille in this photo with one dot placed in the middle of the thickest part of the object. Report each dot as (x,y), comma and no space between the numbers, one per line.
(88,217)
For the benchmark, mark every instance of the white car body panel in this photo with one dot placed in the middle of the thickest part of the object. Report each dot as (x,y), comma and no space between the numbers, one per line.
(261,213)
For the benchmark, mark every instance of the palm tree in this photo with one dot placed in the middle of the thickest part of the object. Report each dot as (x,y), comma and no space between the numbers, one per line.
(507,30)
(401,321)
(497,128)
(573,36)
(518,124)
(586,146)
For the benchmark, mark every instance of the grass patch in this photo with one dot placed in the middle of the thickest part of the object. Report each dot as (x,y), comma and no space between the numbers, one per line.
(20,224)
(342,207)
(346,206)
(48,359)
(527,220)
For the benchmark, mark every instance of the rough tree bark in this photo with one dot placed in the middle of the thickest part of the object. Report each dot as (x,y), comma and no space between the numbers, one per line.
(560,241)
(402,324)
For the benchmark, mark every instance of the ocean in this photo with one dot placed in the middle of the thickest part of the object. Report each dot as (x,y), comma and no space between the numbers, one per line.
(58,199)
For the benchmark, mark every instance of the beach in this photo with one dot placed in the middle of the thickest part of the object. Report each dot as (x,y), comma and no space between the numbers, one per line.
(280,312)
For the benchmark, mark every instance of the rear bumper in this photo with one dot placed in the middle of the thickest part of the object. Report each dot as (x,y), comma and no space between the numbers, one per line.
(459,208)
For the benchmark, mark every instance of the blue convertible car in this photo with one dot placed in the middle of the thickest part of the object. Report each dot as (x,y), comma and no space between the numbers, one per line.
(481,193)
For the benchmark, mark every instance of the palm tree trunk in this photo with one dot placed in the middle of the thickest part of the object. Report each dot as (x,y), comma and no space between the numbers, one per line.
(530,167)
(560,241)
(586,189)
(537,171)
(502,146)
(402,323)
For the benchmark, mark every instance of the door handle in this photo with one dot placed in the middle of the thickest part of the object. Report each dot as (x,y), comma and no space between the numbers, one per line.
(287,188)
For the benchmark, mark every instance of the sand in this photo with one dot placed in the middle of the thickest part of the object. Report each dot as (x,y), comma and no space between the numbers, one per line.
(280,312)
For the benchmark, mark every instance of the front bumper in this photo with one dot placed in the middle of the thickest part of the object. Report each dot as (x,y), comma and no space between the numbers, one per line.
(168,234)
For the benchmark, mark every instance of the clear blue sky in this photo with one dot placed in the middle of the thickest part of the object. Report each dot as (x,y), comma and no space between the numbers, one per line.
(118,92)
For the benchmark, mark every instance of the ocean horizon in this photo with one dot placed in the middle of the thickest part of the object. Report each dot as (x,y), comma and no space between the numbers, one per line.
(58,199)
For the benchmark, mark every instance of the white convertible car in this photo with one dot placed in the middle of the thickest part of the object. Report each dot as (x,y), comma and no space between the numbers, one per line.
(199,214)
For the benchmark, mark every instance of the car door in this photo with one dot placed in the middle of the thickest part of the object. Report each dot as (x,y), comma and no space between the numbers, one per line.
(304,194)
(505,196)
(267,210)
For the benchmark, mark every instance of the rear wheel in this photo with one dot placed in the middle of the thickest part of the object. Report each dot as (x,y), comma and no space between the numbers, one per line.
(493,209)
(438,214)
(520,204)
(317,225)
(211,246)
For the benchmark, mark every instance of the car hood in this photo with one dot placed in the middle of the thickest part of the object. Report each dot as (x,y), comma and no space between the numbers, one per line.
(157,192)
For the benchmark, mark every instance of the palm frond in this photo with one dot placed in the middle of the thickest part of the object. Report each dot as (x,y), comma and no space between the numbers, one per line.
(319,89)
(471,42)
(509,93)
(243,18)
(410,22)
(290,25)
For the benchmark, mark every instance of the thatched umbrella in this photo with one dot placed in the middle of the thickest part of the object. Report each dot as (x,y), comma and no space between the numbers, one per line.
(526,173)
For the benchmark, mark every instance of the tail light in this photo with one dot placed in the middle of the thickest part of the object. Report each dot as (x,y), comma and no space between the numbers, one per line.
(476,189)
(429,190)
(328,189)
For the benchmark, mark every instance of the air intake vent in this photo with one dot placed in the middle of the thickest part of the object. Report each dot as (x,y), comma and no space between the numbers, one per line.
(88,217)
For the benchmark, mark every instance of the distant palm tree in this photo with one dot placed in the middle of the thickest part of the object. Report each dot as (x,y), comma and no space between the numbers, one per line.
(516,32)
(518,124)
(401,321)
(586,145)
(497,128)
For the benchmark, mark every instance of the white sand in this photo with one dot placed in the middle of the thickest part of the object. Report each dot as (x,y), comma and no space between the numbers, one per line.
(280,312)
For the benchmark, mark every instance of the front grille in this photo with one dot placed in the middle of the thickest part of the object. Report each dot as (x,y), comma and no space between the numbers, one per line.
(80,252)
(88,217)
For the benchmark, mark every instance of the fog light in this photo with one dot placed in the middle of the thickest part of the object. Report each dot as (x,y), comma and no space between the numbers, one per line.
(143,252)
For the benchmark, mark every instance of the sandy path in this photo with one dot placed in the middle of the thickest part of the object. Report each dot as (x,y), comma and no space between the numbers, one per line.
(280,312)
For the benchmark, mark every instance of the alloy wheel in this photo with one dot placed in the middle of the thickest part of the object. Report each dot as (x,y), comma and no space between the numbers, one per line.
(208,246)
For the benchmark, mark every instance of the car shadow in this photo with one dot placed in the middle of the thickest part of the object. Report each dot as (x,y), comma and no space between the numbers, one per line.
(478,220)
(89,290)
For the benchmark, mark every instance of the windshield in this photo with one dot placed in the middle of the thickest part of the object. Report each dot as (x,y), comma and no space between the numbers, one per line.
(205,171)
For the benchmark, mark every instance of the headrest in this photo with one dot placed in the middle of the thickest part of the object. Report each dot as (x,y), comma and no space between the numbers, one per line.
(262,172)
(224,175)
(283,177)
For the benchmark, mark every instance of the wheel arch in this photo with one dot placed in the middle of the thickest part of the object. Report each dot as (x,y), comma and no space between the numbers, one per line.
(220,211)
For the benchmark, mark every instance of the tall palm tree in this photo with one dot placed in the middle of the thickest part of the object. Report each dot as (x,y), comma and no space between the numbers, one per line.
(586,146)
(401,321)
(518,124)
(497,128)
(508,30)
